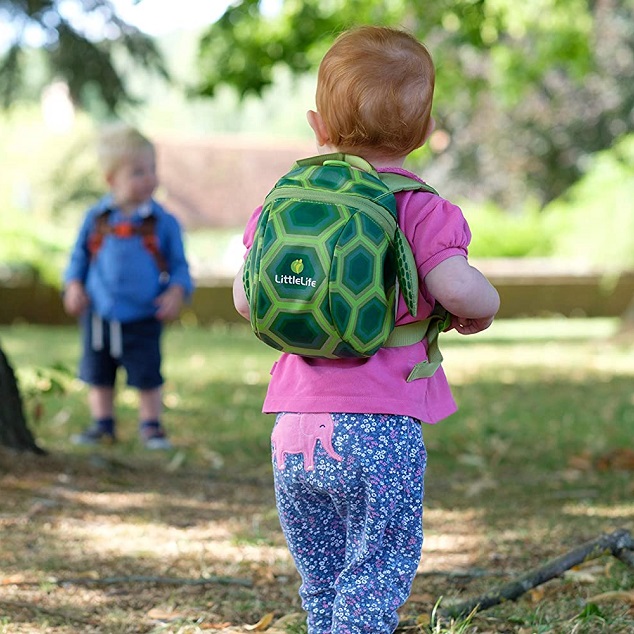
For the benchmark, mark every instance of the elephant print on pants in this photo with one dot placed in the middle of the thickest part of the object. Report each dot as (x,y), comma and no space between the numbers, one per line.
(298,433)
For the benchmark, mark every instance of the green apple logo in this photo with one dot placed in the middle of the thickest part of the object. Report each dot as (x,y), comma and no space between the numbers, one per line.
(297,266)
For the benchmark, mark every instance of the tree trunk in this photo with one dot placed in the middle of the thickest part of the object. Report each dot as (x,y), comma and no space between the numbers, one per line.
(14,432)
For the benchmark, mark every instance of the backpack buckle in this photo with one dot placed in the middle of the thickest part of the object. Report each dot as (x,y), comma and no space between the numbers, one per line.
(124,230)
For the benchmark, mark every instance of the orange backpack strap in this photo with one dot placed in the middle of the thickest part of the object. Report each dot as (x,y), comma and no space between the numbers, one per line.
(100,229)
(147,231)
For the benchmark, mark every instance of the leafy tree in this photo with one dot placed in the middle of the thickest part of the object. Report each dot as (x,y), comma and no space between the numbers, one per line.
(82,42)
(525,92)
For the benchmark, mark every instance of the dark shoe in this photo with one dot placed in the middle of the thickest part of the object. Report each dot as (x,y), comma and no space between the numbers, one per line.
(158,443)
(154,438)
(94,435)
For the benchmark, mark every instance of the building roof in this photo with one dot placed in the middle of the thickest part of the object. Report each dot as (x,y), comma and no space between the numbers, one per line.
(218,182)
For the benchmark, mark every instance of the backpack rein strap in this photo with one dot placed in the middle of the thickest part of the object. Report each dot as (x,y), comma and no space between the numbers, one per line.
(437,322)
(147,231)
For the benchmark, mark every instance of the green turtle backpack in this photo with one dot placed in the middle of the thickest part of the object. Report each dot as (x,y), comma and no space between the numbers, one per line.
(328,260)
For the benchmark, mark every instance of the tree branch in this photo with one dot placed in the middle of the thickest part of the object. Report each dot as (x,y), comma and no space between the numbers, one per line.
(176,581)
(619,543)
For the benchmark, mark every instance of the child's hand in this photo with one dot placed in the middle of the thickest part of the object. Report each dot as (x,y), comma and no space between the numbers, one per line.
(470,326)
(170,303)
(75,299)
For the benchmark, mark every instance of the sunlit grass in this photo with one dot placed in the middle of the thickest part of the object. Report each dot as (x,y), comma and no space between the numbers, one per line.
(557,380)
(513,477)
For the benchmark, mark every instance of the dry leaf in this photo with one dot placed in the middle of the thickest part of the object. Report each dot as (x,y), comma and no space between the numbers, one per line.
(537,594)
(290,619)
(423,620)
(580,576)
(422,597)
(262,574)
(262,624)
(617,595)
(213,626)
(619,460)
(582,461)
(17,578)
(165,615)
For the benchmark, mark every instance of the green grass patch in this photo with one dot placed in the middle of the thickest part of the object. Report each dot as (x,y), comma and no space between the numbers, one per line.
(534,463)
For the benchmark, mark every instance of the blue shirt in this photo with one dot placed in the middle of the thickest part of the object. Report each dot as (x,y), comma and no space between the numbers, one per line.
(123,279)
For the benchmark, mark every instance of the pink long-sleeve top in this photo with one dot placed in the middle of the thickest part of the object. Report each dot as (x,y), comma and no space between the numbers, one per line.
(436,230)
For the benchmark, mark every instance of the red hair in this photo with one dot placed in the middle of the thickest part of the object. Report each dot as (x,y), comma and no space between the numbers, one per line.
(375,89)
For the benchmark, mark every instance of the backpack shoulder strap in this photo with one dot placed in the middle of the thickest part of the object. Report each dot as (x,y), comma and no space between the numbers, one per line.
(406,266)
(338,157)
(401,183)
(99,230)
(439,320)
(147,231)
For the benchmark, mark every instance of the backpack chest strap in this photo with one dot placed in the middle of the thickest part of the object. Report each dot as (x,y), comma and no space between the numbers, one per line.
(127,229)
(428,329)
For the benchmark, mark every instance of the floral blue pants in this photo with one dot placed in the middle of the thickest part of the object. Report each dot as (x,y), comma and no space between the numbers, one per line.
(350,507)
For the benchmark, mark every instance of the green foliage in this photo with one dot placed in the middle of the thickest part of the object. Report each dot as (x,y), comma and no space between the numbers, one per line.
(595,215)
(245,56)
(46,182)
(524,93)
(29,249)
(39,383)
(243,47)
(537,38)
(592,223)
(455,626)
(46,173)
(589,612)
(74,51)
(499,234)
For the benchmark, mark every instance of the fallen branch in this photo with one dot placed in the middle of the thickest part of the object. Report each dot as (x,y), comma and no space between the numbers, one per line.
(626,556)
(472,573)
(109,581)
(619,543)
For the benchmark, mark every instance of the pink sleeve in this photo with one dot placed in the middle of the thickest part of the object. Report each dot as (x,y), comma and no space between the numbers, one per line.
(249,231)
(441,232)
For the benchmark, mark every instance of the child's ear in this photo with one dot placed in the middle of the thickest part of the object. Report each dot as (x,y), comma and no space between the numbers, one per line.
(316,122)
(431,126)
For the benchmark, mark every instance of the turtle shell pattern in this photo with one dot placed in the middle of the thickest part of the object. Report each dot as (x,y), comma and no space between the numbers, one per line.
(320,277)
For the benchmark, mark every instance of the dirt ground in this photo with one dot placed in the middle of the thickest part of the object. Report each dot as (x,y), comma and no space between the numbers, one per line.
(97,542)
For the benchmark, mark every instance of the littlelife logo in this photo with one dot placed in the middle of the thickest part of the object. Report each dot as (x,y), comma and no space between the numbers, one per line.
(297,266)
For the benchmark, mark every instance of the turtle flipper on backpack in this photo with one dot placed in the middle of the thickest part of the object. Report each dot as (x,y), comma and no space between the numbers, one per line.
(406,272)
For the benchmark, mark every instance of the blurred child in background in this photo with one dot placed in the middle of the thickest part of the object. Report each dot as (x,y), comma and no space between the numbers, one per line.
(127,275)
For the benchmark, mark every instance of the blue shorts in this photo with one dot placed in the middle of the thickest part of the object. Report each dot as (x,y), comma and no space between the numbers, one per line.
(140,354)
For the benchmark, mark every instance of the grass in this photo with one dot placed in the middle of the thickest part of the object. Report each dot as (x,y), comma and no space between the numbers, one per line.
(537,461)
